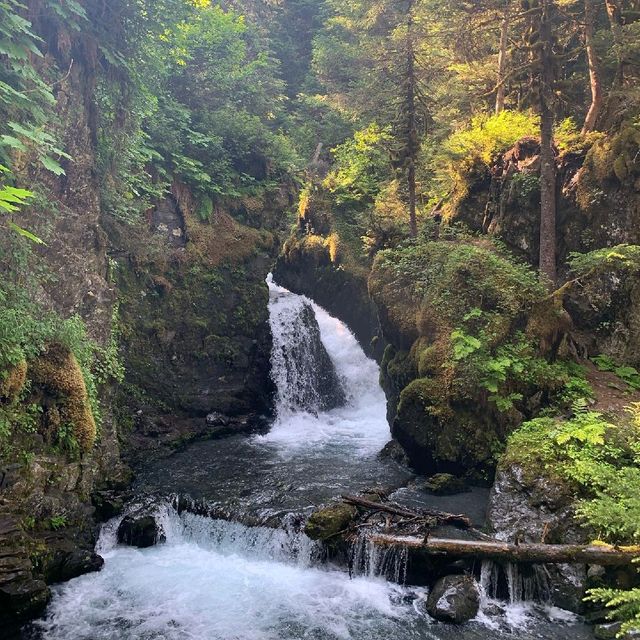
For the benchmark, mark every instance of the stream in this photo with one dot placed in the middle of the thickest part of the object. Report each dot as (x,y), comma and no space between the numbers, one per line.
(220,579)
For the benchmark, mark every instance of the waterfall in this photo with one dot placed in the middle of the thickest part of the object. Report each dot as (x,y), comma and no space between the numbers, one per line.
(515,583)
(303,372)
(224,580)
(328,393)
(371,560)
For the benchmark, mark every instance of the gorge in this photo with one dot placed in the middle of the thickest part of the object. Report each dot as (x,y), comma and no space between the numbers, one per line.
(319,319)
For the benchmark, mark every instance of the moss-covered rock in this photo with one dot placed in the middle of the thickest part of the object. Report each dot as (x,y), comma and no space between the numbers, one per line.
(326,523)
(460,365)
(444,484)
(12,382)
(57,371)
(324,259)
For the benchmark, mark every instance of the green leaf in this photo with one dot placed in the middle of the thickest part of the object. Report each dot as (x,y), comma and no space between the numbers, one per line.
(53,166)
(13,143)
(26,234)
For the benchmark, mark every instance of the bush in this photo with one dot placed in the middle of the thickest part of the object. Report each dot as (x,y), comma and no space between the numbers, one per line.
(471,151)
(598,457)
(361,166)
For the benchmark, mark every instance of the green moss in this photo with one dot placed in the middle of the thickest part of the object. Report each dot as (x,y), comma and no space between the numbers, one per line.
(12,381)
(330,521)
(57,370)
(611,157)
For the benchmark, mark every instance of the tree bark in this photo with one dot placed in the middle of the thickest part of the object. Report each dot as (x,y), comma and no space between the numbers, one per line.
(412,128)
(497,550)
(614,11)
(595,82)
(547,154)
(502,62)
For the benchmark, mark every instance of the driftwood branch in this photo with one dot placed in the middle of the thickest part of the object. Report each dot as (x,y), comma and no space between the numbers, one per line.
(526,552)
(460,521)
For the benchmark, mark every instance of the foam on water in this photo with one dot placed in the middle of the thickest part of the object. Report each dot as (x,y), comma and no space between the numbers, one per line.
(216,580)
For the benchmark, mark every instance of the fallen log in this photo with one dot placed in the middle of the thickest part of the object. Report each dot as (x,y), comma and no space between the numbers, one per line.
(442,517)
(525,552)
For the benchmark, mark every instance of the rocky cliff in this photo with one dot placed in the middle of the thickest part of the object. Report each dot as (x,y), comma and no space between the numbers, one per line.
(140,334)
(448,419)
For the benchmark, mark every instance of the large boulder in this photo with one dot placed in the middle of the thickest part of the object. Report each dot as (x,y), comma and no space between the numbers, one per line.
(140,530)
(528,505)
(454,599)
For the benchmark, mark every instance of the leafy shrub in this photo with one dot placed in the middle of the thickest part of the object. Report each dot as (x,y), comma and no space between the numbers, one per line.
(472,150)
(598,457)
(621,258)
(361,166)
(626,373)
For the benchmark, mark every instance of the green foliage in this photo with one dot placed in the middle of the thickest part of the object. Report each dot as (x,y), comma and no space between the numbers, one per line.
(361,165)
(479,298)
(629,375)
(463,345)
(598,457)
(526,187)
(58,522)
(489,135)
(624,606)
(454,276)
(25,331)
(619,259)
(471,150)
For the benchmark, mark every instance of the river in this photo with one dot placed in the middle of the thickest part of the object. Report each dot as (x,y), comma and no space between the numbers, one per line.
(220,579)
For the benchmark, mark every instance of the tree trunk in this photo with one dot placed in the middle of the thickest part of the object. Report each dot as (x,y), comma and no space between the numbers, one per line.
(502,62)
(497,550)
(547,155)
(597,97)
(614,11)
(412,127)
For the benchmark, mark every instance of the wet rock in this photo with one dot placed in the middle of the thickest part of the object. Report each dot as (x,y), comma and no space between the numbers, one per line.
(527,506)
(217,420)
(607,631)
(67,562)
(108,504)
(140,530)
(326,523)
(454,599)
(21,596)
(394,451)
(444,484)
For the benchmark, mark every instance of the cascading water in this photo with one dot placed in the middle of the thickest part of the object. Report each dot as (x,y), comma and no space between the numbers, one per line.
(221,580)
(304,374)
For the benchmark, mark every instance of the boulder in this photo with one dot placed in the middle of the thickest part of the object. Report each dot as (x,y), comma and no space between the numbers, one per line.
(454,599)
(529,506)
(67,562)
(140,530)
(326,523)
(444,484)
(393,451)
